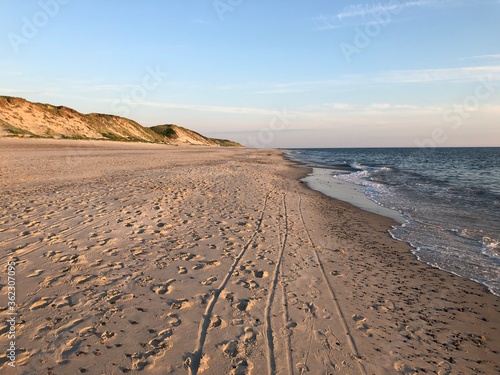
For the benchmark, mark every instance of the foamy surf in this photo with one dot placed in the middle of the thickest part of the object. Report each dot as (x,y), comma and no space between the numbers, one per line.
(449,198)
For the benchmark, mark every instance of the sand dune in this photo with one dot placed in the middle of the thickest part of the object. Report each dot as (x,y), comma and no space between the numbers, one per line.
(22,118)
(146,259)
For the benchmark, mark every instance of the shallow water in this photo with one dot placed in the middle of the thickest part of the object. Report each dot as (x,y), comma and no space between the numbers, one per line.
(450,198)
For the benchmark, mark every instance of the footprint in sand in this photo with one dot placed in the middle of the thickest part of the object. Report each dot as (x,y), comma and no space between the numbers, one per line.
(243,367)
(158,341)
(215,321)
(105,241)
(249,335)
(361,325)
(71,258)
(292,298)
(86,332)
(35,273)
(212,263)
(230,348)
(51,253)
(40,331)
(247,284)
(260,274)
(242,304)
(106,336)
(63,302)
(111,252)
(42,302)
(178,304)
(203,298)
(209,281)
(158,345)
(444,368)
(403,368)
(139,362)
(229,297)
(173,320)
(71,347)
(115,295)
(80,279)
(68,327)
(95,263)
(162,288)
(137,252)
(336,274)
(358,318)
(186,256)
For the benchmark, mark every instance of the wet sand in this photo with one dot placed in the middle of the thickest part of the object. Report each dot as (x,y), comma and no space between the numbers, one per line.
(148,259)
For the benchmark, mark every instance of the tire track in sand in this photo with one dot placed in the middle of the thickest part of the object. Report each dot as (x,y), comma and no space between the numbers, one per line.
(333,295)
(271,361)
(195,359)
(286,317)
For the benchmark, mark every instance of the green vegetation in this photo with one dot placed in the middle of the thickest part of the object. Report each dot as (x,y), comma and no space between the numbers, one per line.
(15,131)
(165,130)
(169,131)
(225,142)
(74,137)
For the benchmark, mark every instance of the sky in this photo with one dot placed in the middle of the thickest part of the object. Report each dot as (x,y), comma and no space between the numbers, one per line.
(282,73)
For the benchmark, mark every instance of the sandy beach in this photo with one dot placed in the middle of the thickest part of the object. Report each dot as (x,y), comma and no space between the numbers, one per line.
(152,259)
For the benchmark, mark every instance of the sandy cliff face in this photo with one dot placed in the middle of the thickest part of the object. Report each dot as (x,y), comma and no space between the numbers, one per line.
(179,135)
(21,118)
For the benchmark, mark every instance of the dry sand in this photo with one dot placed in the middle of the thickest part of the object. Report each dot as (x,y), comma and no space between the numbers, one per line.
(147,259)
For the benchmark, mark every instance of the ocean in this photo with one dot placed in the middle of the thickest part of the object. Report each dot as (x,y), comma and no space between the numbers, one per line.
(449,199)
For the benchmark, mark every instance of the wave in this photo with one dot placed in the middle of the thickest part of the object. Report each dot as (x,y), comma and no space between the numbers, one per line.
(491,247)
(452,213)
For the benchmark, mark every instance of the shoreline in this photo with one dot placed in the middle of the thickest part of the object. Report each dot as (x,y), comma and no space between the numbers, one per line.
(220,261)
(321,180)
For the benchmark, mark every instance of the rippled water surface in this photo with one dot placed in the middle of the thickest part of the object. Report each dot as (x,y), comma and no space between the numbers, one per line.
(450,198)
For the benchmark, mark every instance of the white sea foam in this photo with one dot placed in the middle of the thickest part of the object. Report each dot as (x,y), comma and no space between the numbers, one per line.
(491,247)
(450,202)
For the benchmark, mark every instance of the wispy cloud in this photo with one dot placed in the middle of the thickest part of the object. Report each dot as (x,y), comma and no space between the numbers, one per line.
(200,21)
(14,73)
(421,76)
(306,86)
(359,14)
(210,108)
(14,92)
(364,10)
(463,74)
(342,106)
(285,87)
(484,57)
(278,91)
(339,106)
(380,106)
(109,87)
(398,107)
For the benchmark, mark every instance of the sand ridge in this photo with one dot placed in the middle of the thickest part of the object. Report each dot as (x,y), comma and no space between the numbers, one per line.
(175,260)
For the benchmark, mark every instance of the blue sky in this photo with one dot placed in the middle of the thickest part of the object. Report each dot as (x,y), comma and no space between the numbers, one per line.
(266,73)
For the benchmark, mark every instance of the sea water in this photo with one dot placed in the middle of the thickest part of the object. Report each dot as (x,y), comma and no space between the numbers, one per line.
(449,198)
